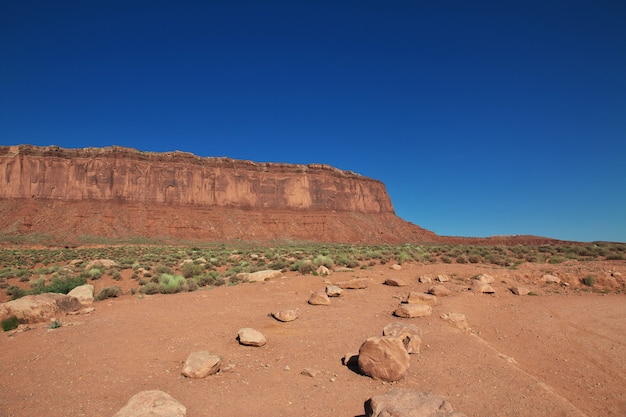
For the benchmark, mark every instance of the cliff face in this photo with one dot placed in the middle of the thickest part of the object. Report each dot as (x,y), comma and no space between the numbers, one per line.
(123,193)
(179,178)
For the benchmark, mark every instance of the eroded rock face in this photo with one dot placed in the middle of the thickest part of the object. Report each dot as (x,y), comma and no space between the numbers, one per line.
(128,193)
(122,174)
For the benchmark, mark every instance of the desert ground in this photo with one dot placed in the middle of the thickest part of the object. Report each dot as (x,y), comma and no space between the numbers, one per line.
(558,352)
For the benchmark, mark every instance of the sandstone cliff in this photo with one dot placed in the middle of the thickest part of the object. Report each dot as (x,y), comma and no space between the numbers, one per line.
(117,192)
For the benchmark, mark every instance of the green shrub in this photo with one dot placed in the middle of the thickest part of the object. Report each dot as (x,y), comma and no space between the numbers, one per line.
(15,292)
(192,284)
(306,267)
(170,284)
(9,323)
(95,273)
(55,324)
(446,259)
(589,280)
(190,270)
(324,260)
(109,292)
(150,288)
(63,285)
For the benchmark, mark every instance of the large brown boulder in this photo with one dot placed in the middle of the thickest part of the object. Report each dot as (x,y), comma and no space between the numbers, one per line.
(408,403)
(38,308)
(383,358)
(152,404)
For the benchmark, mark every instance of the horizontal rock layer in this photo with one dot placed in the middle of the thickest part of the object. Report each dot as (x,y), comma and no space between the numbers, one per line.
(175,178)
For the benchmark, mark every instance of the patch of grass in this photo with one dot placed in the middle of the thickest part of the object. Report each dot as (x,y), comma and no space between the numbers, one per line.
(109,292)
(56,324)
(10,324)
(589,280)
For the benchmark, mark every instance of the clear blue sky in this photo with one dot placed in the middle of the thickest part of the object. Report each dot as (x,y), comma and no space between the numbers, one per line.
(481,118)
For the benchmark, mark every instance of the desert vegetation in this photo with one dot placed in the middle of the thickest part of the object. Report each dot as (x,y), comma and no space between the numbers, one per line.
(172,269)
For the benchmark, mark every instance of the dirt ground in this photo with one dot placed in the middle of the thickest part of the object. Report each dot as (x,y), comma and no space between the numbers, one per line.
(559,353)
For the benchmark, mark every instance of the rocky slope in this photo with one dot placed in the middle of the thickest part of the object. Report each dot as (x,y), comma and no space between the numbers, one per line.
(123,193)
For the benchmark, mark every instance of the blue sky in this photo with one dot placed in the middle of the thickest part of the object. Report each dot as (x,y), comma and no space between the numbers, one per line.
(481,118)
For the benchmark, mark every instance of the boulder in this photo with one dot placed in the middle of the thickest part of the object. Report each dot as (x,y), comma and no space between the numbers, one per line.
(457,320)
(322,271)
(410,334)
(259,276)
(152,404)
(38,308)
(520,290)
(442,278)
(439,291)
(395,282)
(319,298)
(333,291)
(413,310)
(83,293)
(106,263)
(415,297)
(354,284)
(408,403)
(481,287)
(550,279)
(201,364)
(486,278)
(286,315)
(383,358)
(425,279)
(250,337)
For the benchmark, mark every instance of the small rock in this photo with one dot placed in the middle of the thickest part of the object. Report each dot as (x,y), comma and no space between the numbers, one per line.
(333,291)
(421,298)
(439,291)
(384,358)
(481,287)
(286,315)
(457,319)
(153,404)
(550,279)
(425,279)
(410,334)
(319,298)
(312,372)
(395,282)
(520,291)
(442,278)
(395,267)
(354,284)
(201,364)
(250,337)
(487,279)
(413,310)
